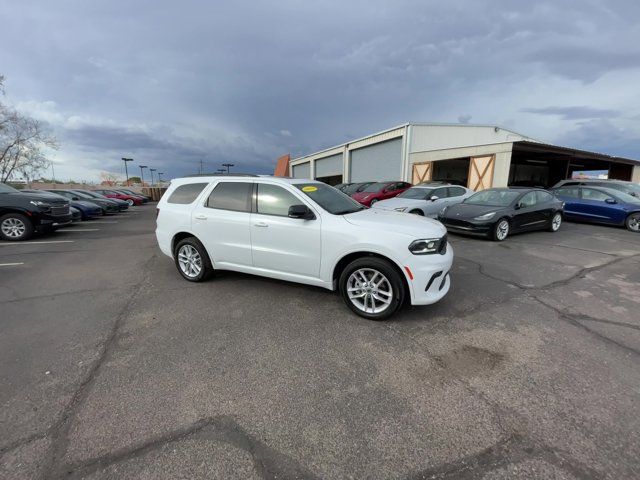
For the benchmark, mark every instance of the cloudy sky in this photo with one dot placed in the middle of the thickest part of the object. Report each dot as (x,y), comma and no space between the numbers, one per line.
(172,82)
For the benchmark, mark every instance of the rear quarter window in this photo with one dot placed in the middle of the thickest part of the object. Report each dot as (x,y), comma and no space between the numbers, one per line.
(186,194)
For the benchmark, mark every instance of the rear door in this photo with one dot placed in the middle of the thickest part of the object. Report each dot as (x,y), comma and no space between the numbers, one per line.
(221,222)
(282,244)
(570,195)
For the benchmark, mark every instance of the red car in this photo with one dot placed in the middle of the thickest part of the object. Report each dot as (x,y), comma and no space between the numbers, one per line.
(130,199)
(380,191)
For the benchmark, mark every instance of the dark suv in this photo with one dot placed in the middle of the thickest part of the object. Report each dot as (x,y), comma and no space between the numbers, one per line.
(23,213)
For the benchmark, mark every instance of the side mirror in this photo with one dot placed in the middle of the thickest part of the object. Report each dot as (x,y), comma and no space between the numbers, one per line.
(301,211)
(517,206)
(433,198)
(611,201)
(75,198)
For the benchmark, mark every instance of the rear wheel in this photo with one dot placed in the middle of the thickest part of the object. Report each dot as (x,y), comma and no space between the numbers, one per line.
(500,230)
(556,221)
(372,288)
(633,222)
(375,200)
(192,260)
(417,212)
(15,227)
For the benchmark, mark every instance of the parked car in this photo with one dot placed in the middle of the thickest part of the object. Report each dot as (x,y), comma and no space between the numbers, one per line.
(130,199)
(307,232)
(356,187)
(112,205)
(88,210)
(23,213)
(629,188)
(144,198)
(427,200)
(498,212)
(76,215)
(380,191)
(600,205)
(342,186)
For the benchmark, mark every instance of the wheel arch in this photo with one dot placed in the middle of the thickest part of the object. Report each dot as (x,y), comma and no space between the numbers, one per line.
(350,257)
(178,237)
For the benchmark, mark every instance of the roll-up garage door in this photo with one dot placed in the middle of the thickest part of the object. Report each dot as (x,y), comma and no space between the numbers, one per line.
(301,171)
(329,166)
(381,161)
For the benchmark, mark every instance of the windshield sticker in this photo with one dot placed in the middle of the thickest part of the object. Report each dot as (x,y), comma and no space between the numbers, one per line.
(309,188)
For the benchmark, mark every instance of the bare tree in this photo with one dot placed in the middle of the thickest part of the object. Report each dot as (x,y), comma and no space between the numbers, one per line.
(23,142)
(110,179)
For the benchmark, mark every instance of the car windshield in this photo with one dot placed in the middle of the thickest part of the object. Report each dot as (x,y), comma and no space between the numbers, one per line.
(629,188)
(375,187)
(622,196)
(332,200)
(80,194)
(416,193)
(493,198)
(7,189)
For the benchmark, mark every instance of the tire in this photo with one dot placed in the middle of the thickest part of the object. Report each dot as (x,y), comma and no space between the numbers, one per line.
(192,260)
(500,230)
(417,212)
(15,227)
(633,222)
(389,291)
(556,222)
(375,200)
(130,202)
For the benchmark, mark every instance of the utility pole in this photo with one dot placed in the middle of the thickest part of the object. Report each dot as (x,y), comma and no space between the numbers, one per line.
(201,167)
(126,172)
(227,165)
(142,174)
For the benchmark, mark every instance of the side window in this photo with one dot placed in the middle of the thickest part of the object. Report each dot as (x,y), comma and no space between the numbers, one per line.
(590,194)
(544,197)
(234,196)
(456,191)
(439,192)
(529,200)
(186,194)
(274,200)
(571,192)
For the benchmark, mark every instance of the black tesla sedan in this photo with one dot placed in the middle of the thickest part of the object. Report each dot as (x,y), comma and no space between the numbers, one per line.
(497,212)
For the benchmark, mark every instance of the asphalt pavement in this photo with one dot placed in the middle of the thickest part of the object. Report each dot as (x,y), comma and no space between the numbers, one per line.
(112,366)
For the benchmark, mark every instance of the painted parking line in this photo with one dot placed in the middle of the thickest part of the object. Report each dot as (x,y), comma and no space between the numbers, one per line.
(16,244)
(100,222)
(11,264)
(80,230)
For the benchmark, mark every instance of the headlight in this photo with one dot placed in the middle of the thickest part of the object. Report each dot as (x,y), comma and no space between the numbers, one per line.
(39,204)
(486,216)
(426,246)
(400,209)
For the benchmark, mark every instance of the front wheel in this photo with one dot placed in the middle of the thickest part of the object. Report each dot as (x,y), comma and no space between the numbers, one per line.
(556,221)
(192,260)
(15,227)
(500,230)
(633,222)
(130,202)
(372,288)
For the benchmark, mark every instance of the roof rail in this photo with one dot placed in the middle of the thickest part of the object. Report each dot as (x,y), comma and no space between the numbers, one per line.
(222,175)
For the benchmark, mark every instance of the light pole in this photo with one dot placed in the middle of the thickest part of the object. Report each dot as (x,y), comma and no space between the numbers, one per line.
(152,170)
(53,172)
(126,172)
(142,174)
(221,170)
(160,179)
(227,165)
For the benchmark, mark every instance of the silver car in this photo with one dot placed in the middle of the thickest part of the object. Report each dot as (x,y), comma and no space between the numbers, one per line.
(426,200)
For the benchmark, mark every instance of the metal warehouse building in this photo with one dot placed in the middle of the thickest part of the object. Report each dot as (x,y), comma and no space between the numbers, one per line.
(477,156)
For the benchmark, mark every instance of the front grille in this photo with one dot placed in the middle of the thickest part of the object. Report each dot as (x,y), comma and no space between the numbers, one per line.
(453,222)
(57,210)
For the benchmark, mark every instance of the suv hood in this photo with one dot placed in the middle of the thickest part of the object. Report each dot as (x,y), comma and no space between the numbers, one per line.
(43,198)
(412,225)
(397,202)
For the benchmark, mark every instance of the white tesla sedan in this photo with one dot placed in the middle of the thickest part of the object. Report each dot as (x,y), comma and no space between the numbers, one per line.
(426,200)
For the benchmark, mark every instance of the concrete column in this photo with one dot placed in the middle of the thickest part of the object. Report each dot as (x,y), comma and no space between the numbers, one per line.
(346,161)
(635,174)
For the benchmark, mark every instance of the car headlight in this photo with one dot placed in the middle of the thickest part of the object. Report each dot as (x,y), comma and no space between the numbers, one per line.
(400,209)
(486,216)
(426,246)
(39,204)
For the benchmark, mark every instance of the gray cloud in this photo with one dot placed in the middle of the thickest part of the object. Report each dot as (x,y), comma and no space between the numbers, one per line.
(575,112)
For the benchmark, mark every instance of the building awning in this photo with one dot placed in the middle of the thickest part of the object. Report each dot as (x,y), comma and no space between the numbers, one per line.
(536,147)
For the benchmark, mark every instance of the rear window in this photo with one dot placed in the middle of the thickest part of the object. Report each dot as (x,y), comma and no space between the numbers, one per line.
(186,194)
(234,196)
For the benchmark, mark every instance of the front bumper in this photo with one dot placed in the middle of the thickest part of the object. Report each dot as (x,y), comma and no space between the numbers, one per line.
(465,227)
(55,220)
(431,279)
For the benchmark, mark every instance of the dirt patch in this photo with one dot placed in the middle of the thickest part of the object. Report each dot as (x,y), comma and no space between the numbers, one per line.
(470,361)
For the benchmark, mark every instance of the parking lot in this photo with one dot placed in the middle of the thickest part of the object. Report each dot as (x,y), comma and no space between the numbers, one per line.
(113,366)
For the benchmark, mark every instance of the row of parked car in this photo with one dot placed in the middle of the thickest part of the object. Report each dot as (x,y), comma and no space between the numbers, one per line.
(498,212)
(23,212)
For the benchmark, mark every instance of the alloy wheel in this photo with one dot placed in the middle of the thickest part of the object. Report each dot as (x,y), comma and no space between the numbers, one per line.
(369,290)
(556,222)
(502,230)
(130,202)
(190,261)
(13,227)
(633,223)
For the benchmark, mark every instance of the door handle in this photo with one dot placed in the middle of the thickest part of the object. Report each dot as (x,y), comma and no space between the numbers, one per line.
(200,217)
(260,224)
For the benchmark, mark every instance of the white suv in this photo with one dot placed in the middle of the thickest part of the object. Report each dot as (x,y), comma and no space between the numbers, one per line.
(307,232)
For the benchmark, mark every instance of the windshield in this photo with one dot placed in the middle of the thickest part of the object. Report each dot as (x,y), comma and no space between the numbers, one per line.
(80,194)
(416,193)
(332,200)
(625,197)
(493,198)
(375,187)
(89,194)
(7,189)
(629,188)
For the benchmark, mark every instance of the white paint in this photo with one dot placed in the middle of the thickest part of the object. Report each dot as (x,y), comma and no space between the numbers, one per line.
(34,243)
(80,230)
(11,264)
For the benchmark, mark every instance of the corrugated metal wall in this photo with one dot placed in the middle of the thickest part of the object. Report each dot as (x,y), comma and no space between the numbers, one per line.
(381,161)
(301,171)
(328,166)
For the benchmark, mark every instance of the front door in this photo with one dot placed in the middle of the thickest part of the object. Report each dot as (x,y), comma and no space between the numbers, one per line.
(529,215)
(282,244)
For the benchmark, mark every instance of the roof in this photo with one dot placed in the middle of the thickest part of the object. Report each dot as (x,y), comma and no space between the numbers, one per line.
(547,147)
(270,178)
